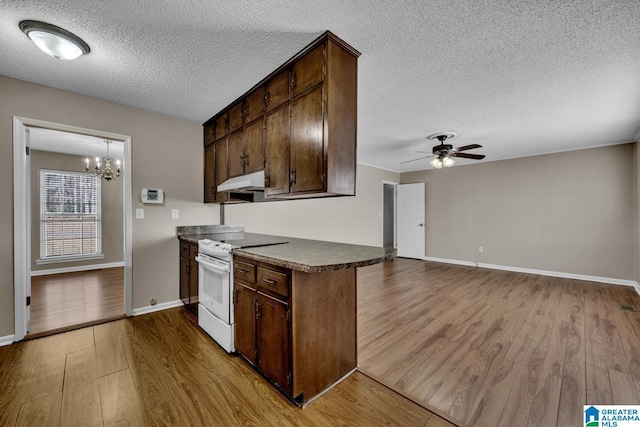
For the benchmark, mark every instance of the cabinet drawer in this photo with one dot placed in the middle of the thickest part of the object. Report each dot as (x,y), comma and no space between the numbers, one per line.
(244,271)
(273,281)
(193,252)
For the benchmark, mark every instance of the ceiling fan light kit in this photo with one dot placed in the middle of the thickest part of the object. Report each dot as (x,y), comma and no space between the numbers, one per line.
(54,41)
(445,153)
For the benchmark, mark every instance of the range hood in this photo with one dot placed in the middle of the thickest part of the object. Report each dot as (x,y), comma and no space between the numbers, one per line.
(244,184)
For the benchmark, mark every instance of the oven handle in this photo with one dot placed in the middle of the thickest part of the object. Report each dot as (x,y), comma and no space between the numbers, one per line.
(212,266)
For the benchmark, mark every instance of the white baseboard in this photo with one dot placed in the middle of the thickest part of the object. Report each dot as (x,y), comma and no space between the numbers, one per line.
(6,340)
(76,268)
(608,280)
(157,307)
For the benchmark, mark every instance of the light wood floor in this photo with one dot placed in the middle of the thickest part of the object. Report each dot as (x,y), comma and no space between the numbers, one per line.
(493,348)
(64,301)
(160,369)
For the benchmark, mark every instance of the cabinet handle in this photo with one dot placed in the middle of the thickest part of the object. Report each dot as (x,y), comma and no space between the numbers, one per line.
(241,270)
(235,296)
(292,176)
(267,181)
(270,281)
(293,79)
(266,99)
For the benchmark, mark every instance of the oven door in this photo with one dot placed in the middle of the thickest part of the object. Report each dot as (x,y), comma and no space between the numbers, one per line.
(214,286)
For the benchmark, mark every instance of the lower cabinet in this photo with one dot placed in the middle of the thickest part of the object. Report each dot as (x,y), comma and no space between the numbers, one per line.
(262,324)
(189,276)
(297,329)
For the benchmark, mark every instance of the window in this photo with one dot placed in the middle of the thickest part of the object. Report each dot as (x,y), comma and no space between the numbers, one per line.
(70,226)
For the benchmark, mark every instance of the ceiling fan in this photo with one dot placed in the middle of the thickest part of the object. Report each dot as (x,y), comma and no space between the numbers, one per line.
(444,153)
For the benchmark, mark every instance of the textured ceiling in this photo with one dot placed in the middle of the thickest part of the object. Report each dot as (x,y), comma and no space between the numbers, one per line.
(519,77)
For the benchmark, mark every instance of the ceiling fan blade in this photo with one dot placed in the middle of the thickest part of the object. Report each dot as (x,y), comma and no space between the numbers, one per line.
(419,158)
(469,156)
(468,147)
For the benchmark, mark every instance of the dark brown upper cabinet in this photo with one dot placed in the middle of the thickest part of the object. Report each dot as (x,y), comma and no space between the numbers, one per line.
(308,71)
(299,124)
(254,105)
(307,142)
(220,170)
(277,90)
(254,146)
(277,146)
(209,171)
(235,154)
(222,125)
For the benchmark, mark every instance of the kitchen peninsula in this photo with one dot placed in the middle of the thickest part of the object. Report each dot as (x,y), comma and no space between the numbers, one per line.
(295,310)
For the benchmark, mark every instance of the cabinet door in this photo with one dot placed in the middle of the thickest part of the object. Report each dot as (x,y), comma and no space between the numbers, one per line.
(277,144)
(236,154)
(193,286)
(209,135)
(308,71)
(273,340)
(277,90)
(307,149)
(245,317)
(209,174)
(235,117)
(222,128)
(254,146)
(184,279)
(220,171)
(254,105)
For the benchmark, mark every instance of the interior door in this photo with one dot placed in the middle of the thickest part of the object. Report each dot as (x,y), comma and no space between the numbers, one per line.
(410,226)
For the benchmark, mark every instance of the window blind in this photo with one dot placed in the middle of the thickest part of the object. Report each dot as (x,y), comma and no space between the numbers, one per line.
(70,214)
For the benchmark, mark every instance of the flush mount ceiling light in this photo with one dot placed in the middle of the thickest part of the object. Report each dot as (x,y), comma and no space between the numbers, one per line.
(54,41)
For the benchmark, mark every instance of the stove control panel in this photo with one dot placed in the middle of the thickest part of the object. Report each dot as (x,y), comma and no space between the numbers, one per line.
(212,247)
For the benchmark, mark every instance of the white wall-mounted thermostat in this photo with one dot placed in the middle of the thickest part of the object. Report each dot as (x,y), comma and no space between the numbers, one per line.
(152,195)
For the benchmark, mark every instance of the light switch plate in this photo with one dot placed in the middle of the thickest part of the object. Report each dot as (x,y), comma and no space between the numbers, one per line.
(139,213)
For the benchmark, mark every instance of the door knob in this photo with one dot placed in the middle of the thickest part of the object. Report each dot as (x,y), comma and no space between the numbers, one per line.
(421,225)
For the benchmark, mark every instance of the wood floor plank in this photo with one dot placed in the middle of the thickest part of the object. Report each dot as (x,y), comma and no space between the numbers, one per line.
(47,377)
(81,406)
(624,392)
(81,368)
(44,411)
(119,400)
(598,386)
(148,375)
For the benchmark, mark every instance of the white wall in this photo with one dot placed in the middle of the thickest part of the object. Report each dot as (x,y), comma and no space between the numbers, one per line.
(354,220)
(571,212)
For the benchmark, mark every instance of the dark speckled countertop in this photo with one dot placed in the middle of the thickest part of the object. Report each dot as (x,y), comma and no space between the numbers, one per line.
(314,256)
(309,256)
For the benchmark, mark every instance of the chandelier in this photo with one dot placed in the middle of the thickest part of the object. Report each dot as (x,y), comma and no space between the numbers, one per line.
(106,173)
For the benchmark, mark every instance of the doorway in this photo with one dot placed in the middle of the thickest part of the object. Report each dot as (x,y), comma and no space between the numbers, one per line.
(23,213)
(389,214)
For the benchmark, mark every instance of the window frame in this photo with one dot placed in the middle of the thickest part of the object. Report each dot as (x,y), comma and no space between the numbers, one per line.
(44,259)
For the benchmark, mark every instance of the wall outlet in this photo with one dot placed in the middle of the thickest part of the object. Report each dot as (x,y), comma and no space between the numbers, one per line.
(152,301)
(139,213)
(175,213)
(481,249)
